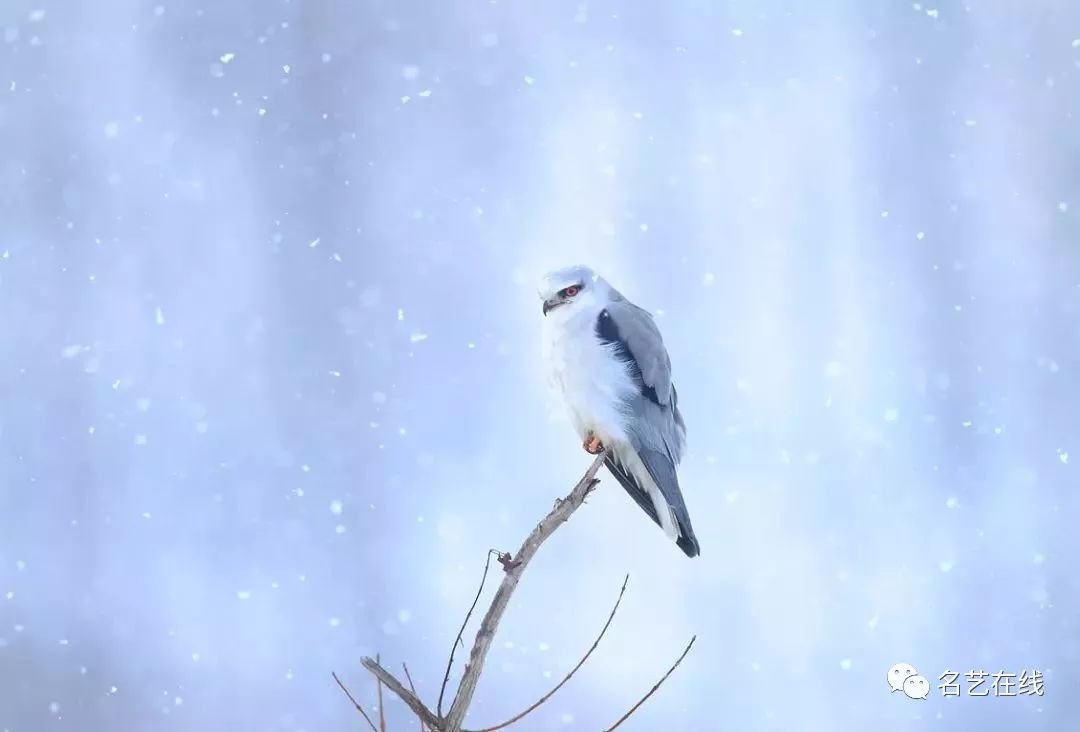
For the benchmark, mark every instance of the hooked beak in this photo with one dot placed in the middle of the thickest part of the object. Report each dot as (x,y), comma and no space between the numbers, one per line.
(550,305)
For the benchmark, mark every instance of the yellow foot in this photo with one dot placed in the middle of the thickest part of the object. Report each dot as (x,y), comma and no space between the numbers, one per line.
(592,444)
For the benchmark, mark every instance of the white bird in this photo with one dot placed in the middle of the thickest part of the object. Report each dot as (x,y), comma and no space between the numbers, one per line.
(608,360)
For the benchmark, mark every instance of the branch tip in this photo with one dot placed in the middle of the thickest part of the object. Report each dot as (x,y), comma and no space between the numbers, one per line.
(458,639)
(412,688)
(382,711)
(354,702)
(656,686)
(410,699)
(574,670)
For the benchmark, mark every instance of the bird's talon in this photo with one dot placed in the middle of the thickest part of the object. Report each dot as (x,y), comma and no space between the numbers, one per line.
(592,444)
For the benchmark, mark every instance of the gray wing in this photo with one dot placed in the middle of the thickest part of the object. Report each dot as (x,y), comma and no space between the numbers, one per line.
(638,334)
(656,427)
(635,339)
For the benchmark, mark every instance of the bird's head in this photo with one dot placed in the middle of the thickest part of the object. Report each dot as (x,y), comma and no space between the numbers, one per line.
(572,289)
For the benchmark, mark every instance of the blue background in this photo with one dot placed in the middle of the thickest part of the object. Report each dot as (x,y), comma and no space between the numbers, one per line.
(269,379)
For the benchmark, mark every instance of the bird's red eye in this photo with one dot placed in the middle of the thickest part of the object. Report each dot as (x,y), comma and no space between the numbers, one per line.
(570,291)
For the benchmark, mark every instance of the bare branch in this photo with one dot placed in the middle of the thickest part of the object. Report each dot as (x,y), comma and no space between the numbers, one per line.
(515,567)
(412,688)
(457,640)
(355,703)
(406,696)
(573,671)
(382,712)
(656,686)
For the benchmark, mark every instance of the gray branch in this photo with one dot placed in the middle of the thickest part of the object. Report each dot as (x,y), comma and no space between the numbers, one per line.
(514,569)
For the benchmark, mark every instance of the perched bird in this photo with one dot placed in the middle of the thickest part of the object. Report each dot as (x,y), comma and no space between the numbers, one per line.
(608,360)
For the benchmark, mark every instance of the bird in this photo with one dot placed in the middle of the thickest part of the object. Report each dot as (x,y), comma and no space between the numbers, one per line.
(606,357)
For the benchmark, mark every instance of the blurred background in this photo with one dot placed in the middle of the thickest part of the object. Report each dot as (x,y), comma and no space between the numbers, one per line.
(269,380)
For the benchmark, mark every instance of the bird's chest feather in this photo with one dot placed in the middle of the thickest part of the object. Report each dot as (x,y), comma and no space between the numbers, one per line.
(592,381)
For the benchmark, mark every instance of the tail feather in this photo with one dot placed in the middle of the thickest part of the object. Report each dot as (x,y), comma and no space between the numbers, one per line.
(630,484)
(662,472)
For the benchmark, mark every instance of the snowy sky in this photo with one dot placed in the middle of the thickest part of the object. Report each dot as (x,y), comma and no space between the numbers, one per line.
(269,380)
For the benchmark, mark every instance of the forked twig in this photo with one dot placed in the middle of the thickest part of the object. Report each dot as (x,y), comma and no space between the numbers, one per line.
(404,694)
(412,688)
(656,686)
(514,566)
(457,640)
(573,671)
(484,636)
(355,703)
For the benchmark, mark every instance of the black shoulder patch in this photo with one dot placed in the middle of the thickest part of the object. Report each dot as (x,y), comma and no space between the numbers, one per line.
(608,332)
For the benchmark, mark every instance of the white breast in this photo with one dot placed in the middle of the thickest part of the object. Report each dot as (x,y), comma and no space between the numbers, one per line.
(591,380)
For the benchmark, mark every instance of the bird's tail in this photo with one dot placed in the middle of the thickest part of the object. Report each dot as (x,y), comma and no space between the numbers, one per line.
(658,465)
(663,474)
(689,543)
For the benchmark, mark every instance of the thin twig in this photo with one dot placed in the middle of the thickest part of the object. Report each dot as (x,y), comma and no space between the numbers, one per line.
(652,691)
(573,671)
(406,696)
(382,712)
(355,703)
(457,640)
(412,688)
(484,636)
